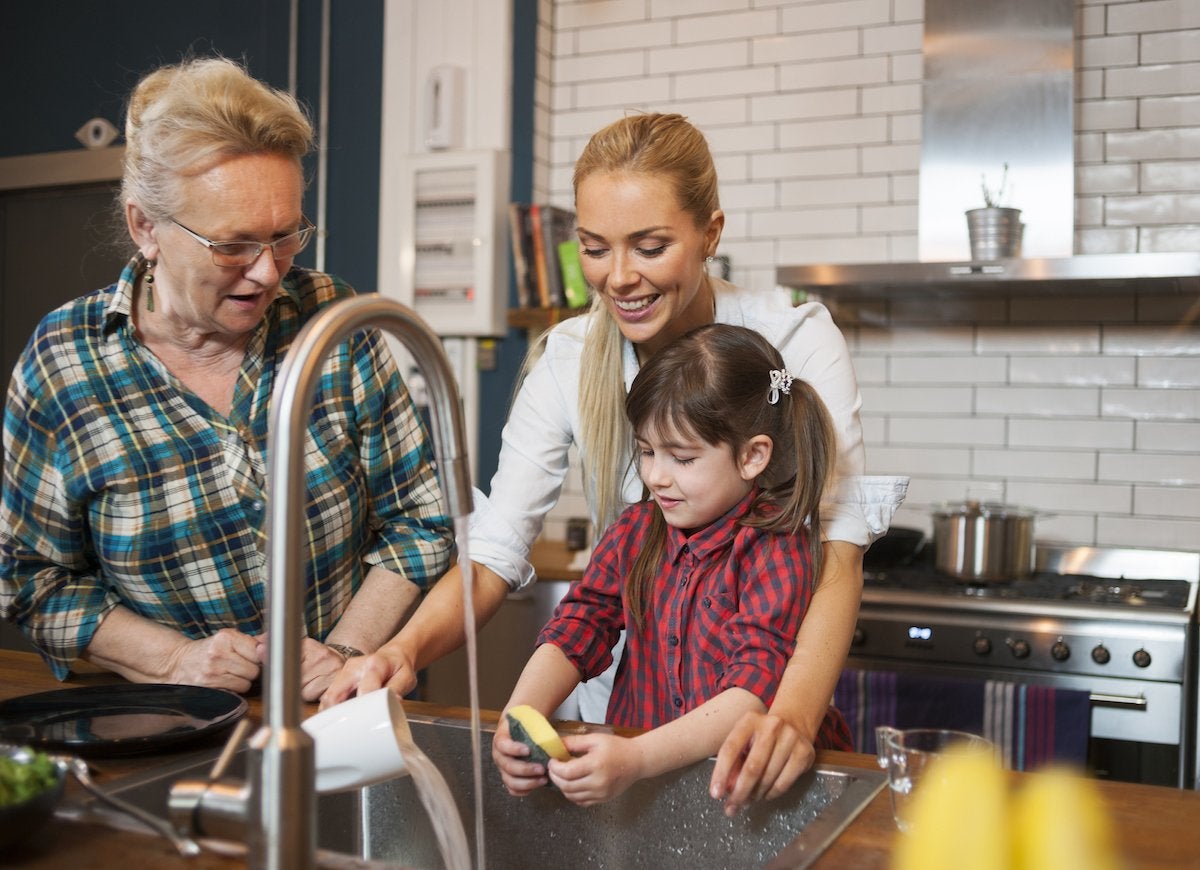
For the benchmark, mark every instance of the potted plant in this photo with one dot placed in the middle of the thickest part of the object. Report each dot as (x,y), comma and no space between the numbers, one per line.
(995,230)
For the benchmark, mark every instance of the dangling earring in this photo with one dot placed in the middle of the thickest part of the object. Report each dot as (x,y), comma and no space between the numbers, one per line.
(149,284)
(707,262)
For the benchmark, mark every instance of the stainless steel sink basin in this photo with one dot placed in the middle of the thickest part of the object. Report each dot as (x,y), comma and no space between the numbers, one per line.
(662,823)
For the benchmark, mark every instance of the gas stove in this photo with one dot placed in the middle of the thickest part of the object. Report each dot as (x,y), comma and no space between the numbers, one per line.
(1117,623)
(1044,586)
(1125,582)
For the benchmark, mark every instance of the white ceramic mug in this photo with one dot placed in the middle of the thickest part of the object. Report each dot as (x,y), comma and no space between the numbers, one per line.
(906,754)
(360,742)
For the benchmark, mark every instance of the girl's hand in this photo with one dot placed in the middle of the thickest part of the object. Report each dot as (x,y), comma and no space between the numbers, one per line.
(607,765)
(520,775)
(762,757)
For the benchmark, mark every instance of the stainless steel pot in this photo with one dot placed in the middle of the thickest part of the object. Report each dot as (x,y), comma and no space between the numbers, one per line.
(983,542)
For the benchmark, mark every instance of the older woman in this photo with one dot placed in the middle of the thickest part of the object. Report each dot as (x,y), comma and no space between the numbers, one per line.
(132,522)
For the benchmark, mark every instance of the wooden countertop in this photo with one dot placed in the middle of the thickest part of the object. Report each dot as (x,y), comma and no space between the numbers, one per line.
(1155,826)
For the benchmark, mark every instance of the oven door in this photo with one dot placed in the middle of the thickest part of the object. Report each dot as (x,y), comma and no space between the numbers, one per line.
(1137,731)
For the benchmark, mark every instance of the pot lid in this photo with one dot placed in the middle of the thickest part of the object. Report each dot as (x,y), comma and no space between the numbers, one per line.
(970,508)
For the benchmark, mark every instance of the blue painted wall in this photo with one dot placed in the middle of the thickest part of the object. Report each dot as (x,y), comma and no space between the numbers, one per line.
(495,387)
(66,61)
(70,60)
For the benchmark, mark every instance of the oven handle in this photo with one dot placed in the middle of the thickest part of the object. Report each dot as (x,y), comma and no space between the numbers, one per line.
(1101,699)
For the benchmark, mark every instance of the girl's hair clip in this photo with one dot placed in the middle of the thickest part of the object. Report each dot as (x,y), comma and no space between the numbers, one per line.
(781,382)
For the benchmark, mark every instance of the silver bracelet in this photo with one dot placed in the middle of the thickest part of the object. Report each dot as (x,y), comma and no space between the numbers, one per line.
(347,652)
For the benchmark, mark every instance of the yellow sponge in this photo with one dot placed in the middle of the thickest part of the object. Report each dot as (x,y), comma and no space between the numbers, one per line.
(528,726)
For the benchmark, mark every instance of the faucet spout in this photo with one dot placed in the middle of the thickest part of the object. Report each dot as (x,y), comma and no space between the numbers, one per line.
(282,833)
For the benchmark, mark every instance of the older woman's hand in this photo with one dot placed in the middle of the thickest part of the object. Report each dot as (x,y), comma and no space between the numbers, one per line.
(388,666)
(762,757)
(319,665)
(225,660)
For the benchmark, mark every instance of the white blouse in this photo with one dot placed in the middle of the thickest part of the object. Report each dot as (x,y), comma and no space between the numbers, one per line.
(544,422)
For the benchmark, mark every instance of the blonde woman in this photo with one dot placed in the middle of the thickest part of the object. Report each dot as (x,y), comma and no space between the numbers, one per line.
(649,222)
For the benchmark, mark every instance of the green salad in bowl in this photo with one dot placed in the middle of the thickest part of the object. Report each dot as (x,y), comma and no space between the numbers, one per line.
(31,784)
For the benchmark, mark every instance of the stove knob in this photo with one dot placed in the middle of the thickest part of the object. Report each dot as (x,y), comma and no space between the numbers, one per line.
(1141,658)
(860,637)
(1060,652)
(1101,655)
(982,646)
(1020,649)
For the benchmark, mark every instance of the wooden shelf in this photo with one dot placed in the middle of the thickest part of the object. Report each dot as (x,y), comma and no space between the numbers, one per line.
(538,319)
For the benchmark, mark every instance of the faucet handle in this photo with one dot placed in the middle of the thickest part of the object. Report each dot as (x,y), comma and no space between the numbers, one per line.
(214,807)
(232,745)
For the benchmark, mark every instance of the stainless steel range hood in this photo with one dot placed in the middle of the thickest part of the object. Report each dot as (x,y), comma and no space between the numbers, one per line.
(998,91)
(1103,273)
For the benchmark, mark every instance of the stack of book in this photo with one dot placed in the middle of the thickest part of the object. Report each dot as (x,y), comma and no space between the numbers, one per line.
(546,256)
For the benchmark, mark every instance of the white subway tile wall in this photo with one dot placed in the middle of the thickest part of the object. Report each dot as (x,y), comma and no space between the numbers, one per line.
(1085,408)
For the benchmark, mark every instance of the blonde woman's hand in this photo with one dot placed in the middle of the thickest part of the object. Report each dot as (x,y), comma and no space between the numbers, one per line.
(762,757)
(360,675)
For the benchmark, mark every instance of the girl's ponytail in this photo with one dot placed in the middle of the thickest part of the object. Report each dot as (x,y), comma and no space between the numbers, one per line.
(814,448)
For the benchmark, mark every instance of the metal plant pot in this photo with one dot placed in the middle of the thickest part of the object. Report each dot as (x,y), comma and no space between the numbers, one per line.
(995,233)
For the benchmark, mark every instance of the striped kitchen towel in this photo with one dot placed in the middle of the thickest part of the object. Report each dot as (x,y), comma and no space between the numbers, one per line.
(1031,725)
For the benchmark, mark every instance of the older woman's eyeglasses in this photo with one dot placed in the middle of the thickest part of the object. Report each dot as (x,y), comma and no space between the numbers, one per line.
(244,253)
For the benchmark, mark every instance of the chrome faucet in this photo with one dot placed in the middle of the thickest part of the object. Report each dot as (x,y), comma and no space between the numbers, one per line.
(277,808)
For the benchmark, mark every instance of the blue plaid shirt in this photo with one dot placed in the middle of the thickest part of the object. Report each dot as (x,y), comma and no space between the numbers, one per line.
(123,487)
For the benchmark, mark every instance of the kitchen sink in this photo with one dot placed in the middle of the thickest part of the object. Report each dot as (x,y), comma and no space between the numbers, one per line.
(666,822)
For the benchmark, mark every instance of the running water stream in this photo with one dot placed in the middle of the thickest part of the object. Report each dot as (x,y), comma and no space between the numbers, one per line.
(461,525)
(430,785)
(439,807)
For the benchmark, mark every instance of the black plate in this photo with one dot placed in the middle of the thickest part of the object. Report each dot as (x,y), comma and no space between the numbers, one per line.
(118,720)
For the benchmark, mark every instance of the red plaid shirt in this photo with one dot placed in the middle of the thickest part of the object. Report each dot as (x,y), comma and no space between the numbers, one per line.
(724,612)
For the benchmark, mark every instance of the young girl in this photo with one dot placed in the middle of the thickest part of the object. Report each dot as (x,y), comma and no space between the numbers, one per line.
(709,575)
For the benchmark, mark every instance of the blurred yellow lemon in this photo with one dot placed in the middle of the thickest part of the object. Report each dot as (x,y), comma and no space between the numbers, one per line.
(958,816)
(1060,821)
(963,815)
